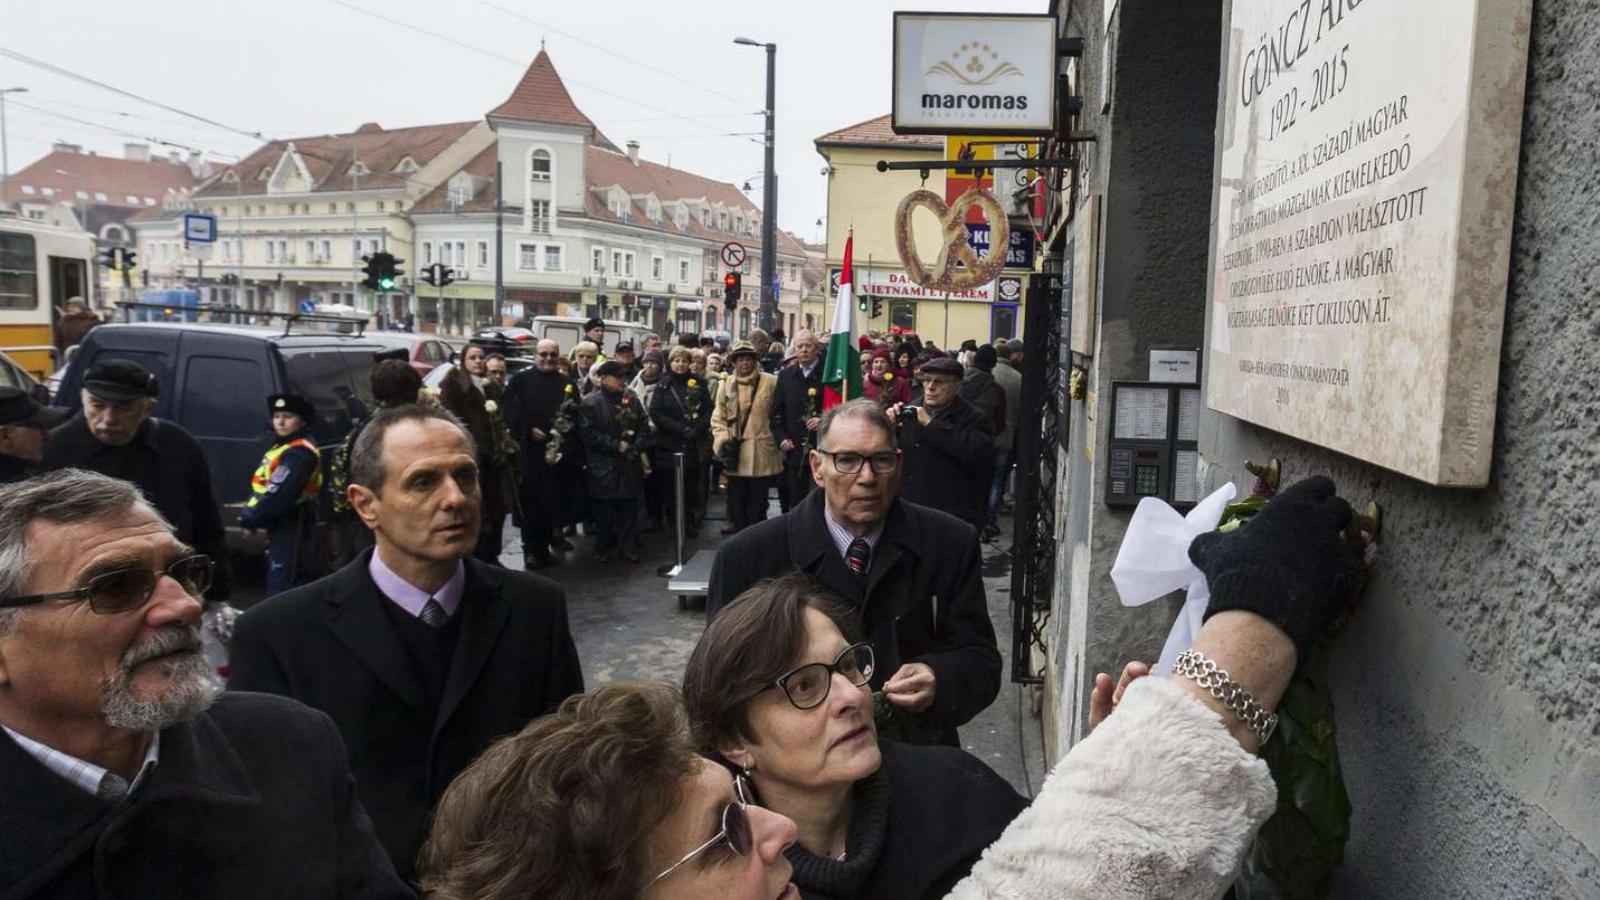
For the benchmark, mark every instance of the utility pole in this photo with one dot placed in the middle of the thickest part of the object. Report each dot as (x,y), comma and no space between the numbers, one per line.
(768,312)
(499,249)
(355,232)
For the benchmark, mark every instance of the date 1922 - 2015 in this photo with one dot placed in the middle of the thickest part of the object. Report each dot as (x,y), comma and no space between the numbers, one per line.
(1328,80)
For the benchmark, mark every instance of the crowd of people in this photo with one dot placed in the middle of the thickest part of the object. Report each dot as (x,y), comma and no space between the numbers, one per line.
(418,722)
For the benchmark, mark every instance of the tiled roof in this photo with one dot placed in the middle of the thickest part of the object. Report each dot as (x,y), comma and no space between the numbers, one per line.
(541,96)
(113,176)
(438,199)
(877,133)
(328,158)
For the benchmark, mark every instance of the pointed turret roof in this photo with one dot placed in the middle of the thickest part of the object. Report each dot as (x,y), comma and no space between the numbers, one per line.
(541,96)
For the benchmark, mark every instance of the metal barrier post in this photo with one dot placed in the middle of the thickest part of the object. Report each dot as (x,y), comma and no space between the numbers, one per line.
(680,516)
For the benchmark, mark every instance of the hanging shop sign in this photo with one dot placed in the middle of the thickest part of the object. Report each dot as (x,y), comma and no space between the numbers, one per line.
(1365,191)
(974,73)
(959,267)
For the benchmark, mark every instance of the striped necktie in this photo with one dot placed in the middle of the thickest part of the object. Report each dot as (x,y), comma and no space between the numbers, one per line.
(859,556)
(433,615)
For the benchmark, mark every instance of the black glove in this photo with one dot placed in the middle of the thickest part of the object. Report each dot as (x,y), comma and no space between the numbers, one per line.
(1288,564)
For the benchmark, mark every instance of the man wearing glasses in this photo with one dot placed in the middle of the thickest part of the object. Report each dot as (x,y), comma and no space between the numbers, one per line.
(533,400)
(119,762)
(912,571)
(949,446)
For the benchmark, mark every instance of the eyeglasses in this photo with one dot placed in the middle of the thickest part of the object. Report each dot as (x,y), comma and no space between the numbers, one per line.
(125,589)
(807,686)
(850,463)
(735,828)
(547,355)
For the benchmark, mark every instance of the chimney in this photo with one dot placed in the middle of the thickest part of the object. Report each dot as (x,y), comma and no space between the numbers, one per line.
(64,147)
(136,152)
(633,151)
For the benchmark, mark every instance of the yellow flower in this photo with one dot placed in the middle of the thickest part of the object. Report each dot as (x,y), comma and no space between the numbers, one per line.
(811,392)
(569,388)
(888,376)
(693,383)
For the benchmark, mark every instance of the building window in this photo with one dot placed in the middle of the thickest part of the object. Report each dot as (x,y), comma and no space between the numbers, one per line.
(327,251)
(427,253)
(272,252)
(539,166)
(657,265)
(616,262)
(283,250)
(627,264)
(28,189)
(461,254)
(599,256)
(458,195)
(49,192)
(380,206)
(311,251)
(349,207)
(528,256)
(539,216)
(552,258)
(81,195)
(99,197)
(483,254)
(333,209)
(683,271)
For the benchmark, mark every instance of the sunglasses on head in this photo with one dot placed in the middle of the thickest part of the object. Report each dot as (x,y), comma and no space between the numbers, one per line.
(735,828)
(123,589)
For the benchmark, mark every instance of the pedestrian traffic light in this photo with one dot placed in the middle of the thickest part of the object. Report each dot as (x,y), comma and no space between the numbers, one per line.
(447,276)
(732,284)
(877,306)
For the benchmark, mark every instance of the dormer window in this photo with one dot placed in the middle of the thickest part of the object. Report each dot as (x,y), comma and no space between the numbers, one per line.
(359,168)
(406,166)
(539,166)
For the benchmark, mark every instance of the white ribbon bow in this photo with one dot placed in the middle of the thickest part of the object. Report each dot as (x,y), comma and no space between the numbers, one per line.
(1153,561)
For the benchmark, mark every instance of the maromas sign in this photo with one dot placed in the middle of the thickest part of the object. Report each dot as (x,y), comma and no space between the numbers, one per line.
(968,73)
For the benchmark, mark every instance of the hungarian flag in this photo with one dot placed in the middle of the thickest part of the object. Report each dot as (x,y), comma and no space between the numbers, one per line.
(841,368)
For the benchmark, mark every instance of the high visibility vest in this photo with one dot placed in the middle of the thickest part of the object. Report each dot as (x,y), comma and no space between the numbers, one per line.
(262,479)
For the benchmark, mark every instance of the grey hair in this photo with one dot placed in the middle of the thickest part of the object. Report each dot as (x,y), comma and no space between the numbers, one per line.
(867,410)
(61,497)
(366,457)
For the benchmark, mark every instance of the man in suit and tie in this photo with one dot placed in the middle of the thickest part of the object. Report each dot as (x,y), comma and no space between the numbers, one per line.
(914,573)
(420,654)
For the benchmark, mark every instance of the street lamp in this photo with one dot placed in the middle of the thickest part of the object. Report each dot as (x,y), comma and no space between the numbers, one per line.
(5,143)
(769,197)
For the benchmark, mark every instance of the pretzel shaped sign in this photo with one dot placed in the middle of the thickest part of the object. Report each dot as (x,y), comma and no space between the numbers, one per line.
(956,246)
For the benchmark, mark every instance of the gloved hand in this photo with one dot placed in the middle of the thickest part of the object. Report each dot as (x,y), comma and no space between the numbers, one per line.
(1288,564)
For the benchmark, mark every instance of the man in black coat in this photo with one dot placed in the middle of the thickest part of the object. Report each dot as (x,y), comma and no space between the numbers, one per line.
(117,436)
(949,446)
(912,571)
(421,655)
(24,429)
(796,413)
(541,409)
(119,775)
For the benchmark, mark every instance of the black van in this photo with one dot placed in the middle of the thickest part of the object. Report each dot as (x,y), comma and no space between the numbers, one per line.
(215,380)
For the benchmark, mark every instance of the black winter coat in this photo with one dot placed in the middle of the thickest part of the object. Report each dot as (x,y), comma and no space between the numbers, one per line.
(251,799)
(949,462)
(330,645)
(792,405)
(677,431)
(919,824)
(164,461)
(922,599)
(530,401)
(612,475)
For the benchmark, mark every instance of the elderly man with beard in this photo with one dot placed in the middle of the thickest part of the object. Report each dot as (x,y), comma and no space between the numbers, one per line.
(120,767)
(541,407)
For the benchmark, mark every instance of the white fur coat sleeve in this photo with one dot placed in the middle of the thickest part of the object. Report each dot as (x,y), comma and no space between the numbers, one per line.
(1159,801)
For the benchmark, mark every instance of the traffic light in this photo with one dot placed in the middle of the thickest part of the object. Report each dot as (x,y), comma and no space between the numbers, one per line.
(732,284)
(877,306)
(117,259)
(447,276)
(129,260)
(369,272)
(429,274)
(862,303)
(382,271)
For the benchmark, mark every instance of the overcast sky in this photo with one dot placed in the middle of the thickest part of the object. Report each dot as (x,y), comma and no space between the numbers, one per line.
(664,73)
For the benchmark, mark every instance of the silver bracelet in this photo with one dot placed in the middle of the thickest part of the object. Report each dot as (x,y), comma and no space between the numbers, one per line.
(1190,664)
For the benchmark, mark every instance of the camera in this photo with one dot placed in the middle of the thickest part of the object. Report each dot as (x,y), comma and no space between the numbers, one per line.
(908,415)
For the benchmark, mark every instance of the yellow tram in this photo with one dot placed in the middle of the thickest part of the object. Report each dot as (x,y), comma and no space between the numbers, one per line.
(44,263)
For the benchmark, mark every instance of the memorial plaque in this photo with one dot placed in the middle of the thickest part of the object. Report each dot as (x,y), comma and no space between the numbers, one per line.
(1366,178)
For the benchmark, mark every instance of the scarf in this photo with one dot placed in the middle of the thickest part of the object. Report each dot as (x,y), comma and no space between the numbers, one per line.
(869,825)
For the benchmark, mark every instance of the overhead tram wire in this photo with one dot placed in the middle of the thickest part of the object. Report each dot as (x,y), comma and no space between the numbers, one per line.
(106,128)
(607,50)
(506,59)
(67,73)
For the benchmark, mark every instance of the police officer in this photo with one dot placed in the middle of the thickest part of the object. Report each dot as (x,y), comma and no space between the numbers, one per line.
(283,491)
(24,427)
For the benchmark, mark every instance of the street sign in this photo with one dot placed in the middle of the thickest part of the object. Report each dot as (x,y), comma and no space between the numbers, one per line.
(199,228)
(733,254)
(201,250)
(308,306)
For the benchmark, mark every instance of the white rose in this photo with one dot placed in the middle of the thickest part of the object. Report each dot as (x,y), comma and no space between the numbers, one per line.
(491,407)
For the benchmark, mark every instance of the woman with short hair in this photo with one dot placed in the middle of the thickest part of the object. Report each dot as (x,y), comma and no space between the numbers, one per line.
(603,800)
(778,686)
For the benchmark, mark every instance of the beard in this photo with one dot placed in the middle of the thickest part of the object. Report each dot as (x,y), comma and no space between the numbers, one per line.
(192,684)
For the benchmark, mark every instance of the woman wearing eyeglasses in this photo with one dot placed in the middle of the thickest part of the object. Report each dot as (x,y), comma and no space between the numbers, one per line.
(778,687)
(604,799)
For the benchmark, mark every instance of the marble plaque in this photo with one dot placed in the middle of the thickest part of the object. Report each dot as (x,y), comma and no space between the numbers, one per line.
(1366,177)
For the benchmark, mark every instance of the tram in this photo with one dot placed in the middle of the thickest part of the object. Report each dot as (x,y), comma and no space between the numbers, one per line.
(43,264)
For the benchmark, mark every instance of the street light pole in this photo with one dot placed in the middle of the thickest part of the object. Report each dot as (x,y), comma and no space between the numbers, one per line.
(5,143)
(768,313)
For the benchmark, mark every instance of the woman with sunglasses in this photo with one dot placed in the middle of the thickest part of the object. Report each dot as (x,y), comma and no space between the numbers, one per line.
(778,687)
(604,800)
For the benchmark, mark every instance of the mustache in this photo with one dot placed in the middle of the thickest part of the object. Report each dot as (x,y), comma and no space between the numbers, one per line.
(169,639)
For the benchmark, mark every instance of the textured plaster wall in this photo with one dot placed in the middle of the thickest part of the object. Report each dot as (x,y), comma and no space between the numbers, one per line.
(1152,167)
(1468,687)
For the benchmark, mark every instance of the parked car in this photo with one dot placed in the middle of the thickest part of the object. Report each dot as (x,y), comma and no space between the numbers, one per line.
(425,352)
(13,375)
(568,330)
(215,380)
(509,334)
(514,364)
